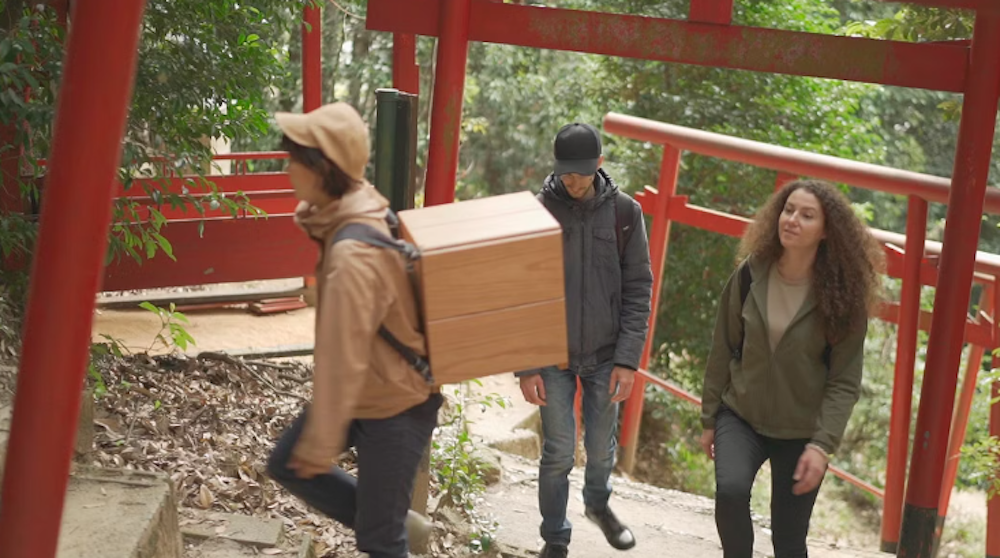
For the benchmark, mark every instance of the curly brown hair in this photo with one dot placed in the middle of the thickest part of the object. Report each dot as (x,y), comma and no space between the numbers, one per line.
(848,262)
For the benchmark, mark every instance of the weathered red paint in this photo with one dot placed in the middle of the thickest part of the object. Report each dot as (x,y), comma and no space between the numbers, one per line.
(782,179)
(269,192)
(94,97)
(975,332)
(270,202)
(222,251)
(960,422)
(972,162)
(229,184)
(228,250)
(708,219)
(446,110)
(241,156)
(986,263)
(312,57)
(405,70)
(792,161)
(857,482)
(719,12)
(896,266)
(669,387)
(902,386)
(250,155)
(659,239)
(679,210)
(929,66)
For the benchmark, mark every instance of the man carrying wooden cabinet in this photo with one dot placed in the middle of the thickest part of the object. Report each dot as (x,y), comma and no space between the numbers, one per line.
(608,284)
(369,389)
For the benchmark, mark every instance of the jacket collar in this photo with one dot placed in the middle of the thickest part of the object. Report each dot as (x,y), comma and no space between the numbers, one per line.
(604,186)
(363,203)
(759,273)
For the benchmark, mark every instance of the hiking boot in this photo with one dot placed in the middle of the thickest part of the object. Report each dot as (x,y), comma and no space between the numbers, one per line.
(554,551)
(418,530)
(618,535)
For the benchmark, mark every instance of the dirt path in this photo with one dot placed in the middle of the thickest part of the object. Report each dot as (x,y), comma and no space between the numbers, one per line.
(661,519)
(665,522)
(216,330)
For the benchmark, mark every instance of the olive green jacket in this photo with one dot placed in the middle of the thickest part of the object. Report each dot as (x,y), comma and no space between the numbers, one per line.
(789,393)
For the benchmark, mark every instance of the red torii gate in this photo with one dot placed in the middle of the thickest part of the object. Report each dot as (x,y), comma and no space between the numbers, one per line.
(93,104)
(708,38)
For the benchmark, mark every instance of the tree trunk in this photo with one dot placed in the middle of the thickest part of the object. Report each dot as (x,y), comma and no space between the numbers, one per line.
(359,58)
(334,34)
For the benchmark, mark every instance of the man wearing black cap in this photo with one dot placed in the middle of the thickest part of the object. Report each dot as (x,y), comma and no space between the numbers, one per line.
(608,287)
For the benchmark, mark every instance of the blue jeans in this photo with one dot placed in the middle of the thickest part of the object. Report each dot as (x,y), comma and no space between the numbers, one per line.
(374,504)
(600,421)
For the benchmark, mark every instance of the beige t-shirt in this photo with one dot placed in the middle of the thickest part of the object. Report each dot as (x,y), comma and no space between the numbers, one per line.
(784,299)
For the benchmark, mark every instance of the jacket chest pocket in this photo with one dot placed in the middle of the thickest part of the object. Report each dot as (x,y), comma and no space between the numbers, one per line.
(606,248)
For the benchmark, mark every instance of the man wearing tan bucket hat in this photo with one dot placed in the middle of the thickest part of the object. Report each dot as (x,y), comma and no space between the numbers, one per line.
(364,395)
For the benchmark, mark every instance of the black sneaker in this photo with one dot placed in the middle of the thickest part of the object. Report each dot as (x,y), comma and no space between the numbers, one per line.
(618,535)
(554,551)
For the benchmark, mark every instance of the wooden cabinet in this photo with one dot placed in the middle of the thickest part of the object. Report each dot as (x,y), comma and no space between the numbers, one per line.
(491,281)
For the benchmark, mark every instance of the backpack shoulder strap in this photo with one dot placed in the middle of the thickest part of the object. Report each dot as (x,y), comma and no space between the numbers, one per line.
(416,361)
(744,279)
(370,235)
(624,218)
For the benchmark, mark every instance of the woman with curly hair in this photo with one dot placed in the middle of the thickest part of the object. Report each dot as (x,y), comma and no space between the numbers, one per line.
(784,371)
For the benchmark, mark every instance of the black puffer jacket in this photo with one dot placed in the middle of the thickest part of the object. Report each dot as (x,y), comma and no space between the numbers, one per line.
(607,296)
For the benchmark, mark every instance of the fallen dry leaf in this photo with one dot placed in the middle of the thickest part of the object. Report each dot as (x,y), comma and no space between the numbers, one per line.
(205,497)
(211,432)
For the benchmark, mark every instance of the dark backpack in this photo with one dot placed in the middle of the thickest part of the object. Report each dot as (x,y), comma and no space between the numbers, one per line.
(624,217)
(744,280)
(371,235)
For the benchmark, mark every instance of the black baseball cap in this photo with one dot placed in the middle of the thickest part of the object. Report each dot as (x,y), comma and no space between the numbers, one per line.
(577,149)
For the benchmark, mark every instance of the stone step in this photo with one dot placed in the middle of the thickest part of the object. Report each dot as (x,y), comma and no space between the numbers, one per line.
(216,547)
(112,513)
(84,432)
(242,529)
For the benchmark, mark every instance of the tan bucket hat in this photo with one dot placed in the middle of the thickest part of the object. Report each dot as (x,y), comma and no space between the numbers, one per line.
(335,129)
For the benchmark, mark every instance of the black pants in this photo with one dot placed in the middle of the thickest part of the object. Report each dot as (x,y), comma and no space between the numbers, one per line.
(375,504)
(739,453)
